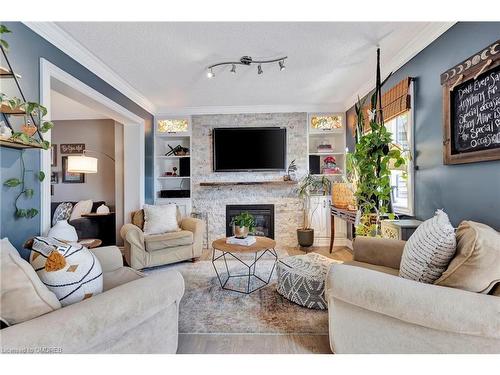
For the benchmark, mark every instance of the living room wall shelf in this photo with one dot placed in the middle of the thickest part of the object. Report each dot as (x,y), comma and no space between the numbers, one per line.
(171,132)
(246,183)
(17,145)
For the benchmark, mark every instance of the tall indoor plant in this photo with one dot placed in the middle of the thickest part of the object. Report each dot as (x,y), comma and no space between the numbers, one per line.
(310,185)
(370,160)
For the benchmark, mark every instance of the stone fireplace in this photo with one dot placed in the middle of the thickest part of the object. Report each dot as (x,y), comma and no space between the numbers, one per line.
(212,201)
(263,214)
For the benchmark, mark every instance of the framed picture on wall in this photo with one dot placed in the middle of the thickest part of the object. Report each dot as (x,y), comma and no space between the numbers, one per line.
(53,156)
(70,177)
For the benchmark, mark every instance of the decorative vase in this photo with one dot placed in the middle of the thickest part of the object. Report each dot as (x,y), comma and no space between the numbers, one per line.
(240,232)
(305,237)
(63,231)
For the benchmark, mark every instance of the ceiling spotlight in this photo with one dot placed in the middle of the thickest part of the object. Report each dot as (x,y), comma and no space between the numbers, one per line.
(246,61)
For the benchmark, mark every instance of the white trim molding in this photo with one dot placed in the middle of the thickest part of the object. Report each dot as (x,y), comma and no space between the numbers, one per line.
(223,110)
(53,77)
(428,34)
(66,43)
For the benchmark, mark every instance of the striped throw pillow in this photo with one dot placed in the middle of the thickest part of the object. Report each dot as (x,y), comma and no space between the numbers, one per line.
(429,250)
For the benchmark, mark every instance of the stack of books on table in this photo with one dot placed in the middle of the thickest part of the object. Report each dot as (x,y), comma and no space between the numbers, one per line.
(248,241)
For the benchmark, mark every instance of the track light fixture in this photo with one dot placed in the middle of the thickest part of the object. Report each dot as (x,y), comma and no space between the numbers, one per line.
(246,60)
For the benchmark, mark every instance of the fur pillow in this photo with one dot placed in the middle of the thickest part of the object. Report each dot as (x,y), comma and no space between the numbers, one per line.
(429,250)
(71,271)
(160,219)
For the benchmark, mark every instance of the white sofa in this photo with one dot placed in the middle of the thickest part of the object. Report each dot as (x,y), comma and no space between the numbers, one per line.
(134,314)
(373,310)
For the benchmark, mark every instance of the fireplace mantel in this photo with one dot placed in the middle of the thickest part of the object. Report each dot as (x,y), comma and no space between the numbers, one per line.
(232,183)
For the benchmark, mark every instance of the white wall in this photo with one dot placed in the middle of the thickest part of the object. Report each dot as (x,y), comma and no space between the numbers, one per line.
(98,135)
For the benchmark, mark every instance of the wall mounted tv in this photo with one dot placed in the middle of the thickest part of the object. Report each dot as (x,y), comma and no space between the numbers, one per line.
(249,149)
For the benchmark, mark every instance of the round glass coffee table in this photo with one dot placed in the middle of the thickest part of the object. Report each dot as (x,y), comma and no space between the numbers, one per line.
(226,251)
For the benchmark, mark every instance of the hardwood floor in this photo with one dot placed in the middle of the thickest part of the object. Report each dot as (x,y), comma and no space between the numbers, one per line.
(253,344)
(262,343)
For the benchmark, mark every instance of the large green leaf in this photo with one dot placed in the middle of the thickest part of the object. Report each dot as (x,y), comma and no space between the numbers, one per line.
(21,212)
(32,212)
(29,193)
(41,176)
(12,182)
(46,126)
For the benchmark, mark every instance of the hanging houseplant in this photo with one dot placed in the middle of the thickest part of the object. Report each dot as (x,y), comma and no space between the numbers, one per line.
(371,158)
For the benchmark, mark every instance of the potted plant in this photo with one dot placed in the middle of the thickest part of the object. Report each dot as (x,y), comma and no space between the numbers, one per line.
(310,185)
(243,224)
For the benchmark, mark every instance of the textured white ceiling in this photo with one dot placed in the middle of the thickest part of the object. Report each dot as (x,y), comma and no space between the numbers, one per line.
(64,108)
(327,62)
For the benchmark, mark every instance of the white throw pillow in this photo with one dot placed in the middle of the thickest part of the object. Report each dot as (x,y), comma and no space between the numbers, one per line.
(160,219)
(429,250)
(81,208)
(23,296)
(71,271)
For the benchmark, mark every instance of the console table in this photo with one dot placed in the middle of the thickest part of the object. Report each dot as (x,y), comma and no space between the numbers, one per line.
(347,215)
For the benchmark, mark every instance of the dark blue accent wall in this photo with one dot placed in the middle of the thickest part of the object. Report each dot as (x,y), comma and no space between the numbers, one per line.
(26,49)
(465,191)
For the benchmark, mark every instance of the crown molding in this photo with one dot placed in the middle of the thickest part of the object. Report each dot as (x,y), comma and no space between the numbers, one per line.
(425,37)
(223,110)
(66,43)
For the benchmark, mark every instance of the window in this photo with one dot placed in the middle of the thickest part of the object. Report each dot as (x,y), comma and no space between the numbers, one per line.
(325,122)
(402,177)
(172,126)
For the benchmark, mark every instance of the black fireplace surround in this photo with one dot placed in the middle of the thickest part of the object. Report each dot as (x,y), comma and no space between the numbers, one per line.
(263,214)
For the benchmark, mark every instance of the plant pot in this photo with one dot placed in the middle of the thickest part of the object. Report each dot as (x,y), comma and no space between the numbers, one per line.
(240,232)
(305,237)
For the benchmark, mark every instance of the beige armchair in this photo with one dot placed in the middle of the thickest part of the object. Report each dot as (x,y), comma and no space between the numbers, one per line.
(373,310)
(143,251)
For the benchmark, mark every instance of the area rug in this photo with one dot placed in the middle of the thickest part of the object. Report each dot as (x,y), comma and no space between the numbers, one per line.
(207,308)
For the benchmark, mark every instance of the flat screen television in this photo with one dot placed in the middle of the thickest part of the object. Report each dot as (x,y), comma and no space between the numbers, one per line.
(249,149)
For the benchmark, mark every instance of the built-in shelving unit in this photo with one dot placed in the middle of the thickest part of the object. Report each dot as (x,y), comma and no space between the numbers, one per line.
(320,205)
(318,136)
(163,163)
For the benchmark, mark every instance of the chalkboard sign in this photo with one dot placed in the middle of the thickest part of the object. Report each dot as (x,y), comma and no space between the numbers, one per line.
(471,108)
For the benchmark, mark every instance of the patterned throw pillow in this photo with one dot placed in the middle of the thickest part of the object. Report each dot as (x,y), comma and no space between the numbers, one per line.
(70,271)
(62,212)
(429,250)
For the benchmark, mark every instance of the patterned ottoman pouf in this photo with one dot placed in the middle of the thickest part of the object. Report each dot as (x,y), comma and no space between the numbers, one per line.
(301,279)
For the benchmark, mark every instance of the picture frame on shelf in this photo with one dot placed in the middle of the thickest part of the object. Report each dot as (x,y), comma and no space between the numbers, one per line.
(71,177)
(54,178)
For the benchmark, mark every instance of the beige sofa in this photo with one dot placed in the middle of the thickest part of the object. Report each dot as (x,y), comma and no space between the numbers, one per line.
(143,251)
(134,314)
(373,310)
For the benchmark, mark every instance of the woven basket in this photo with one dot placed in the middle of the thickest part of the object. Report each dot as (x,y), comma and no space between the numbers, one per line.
(343,195)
